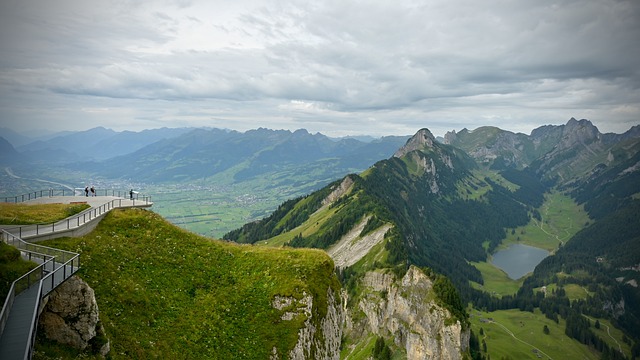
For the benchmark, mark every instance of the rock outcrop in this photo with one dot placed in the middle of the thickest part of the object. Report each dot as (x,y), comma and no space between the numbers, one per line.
(351,247)
(339,191)
(423,139)
(319,338)
(406,311)
(71,317)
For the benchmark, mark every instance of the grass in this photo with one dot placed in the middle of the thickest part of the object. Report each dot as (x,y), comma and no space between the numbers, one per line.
(576,292)
(213,209)
(528,331)
(612,336)
(496,281)
(11,268)
(307,228)
(561,219)
(359,351)
(166,293)
(25,214)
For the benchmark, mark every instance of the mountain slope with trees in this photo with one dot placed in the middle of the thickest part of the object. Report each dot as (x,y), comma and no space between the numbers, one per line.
(446,210)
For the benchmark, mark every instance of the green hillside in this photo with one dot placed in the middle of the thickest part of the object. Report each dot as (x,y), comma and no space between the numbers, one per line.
(167,293)
(448,213)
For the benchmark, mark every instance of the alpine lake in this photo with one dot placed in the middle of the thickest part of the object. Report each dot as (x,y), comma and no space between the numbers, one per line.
(518,260)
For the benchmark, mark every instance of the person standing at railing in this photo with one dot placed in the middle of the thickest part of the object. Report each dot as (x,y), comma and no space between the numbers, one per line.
(131,194)
(86,191)
(93,191)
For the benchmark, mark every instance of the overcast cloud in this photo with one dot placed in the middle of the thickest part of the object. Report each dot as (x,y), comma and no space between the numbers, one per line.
(338,67)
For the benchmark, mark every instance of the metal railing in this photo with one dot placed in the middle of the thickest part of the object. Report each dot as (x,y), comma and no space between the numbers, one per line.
(17,287)
(55,267)
(67,192)
(74,222)
(58,256)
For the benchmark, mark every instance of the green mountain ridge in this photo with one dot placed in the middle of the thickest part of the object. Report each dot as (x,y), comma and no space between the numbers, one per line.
(442,210)
(423,217)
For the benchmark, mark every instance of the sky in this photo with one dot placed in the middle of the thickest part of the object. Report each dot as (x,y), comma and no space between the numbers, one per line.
(338,67)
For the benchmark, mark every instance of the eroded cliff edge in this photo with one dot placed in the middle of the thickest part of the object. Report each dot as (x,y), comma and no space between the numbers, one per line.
(406,311)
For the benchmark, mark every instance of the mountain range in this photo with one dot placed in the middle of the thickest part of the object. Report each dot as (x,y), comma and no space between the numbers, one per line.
(178,154)
(448,206)
(412,235)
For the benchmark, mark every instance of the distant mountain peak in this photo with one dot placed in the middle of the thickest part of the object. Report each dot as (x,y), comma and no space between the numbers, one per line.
(423,139)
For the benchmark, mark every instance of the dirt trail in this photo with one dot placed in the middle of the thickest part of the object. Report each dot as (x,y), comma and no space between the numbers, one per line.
(608,333)
(515,337)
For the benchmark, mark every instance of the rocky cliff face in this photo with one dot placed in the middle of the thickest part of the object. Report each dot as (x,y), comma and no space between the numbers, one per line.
(486,144)
(578,148)
(421,140)
(319,338)
(71,317)
(406,311)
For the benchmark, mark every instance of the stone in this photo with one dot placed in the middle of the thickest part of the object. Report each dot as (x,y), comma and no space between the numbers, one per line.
(71,317)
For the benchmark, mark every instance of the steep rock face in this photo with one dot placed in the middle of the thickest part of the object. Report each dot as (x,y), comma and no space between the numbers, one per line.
(578,148)
(405,309)
(319,338)
(432,161)
(339,191)
(351,247)
(487,144)
(71,317)
(421,140)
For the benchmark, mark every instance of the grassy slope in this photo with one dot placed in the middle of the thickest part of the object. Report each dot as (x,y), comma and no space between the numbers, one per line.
(24,214)
(527,327)
(167,293)
(307,228)
(496,281)
(561,219)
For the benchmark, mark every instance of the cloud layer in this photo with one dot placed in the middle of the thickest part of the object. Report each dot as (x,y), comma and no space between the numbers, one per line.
(338,67)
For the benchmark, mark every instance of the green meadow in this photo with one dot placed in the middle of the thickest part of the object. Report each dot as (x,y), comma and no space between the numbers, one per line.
(25,214)
(514,334)
(561,218)
(164,292)
(496,281)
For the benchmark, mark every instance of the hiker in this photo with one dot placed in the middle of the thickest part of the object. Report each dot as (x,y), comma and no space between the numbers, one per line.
(93,191)
(131,194)
(86,191)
